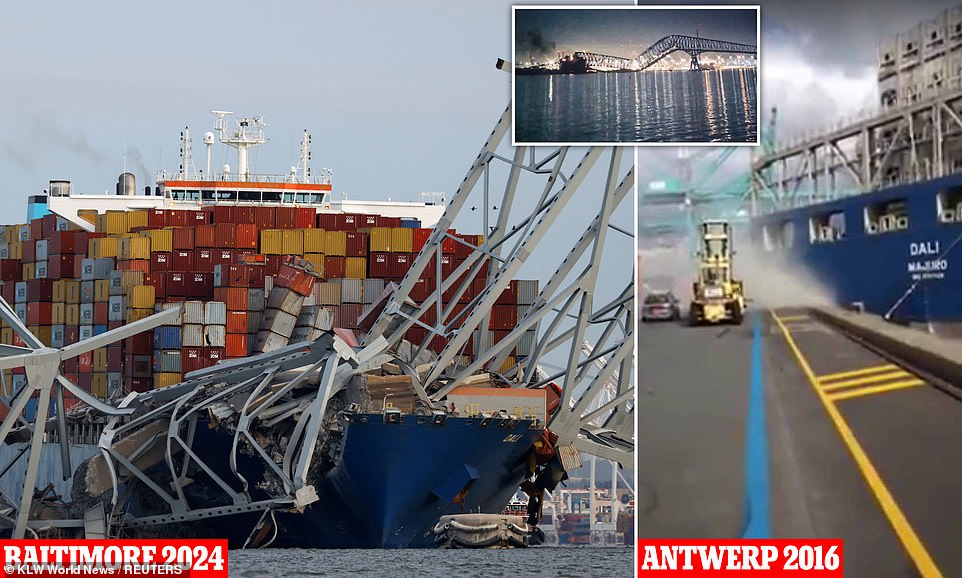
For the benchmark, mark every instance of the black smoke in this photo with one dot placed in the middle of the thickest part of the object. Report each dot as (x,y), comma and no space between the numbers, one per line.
(534,45)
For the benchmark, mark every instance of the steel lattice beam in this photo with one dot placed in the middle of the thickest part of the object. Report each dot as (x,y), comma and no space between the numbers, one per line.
(692,45)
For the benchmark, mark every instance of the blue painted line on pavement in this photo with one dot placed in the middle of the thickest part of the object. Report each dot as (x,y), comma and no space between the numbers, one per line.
(757,488)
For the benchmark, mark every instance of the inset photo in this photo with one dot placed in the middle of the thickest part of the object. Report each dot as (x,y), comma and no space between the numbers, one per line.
(635,75)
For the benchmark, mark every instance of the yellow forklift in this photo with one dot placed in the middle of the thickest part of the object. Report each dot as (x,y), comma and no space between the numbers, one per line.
(716,295)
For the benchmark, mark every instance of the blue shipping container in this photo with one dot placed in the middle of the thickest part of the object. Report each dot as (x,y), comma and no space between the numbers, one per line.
(410,223)
(99,329)
(167,337)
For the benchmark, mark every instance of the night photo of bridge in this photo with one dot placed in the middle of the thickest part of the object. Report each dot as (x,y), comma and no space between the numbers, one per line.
(635,75)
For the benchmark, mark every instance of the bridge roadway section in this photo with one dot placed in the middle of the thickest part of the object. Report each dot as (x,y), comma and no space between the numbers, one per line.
(857,448)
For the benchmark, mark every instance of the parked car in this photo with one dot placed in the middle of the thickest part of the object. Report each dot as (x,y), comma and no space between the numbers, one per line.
(660,306)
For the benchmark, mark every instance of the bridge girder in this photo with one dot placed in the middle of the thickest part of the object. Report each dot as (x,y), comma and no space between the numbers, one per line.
(692,45)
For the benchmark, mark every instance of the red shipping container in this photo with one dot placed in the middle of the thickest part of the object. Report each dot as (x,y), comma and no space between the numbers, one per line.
(245,276)
(368,221)
(295,280)
(39,312)
(68,242)
(64,266)
(334,267)
(242,215)
(140,344)
(204,260)
(84,381)
(236,344)
(420,238)
(349,222)
(159,280)
(510,295)
(285,217)
(49,225)
(349,313)
(10,269)
(36,229)
(356,244)
(504,317)
(9,291)
(71,334)
(377,265)
(178,218)
(213,354)
(71,365)
(176,284)
(236,298)
(246,236)
(192,359)
(272,264)
(85,362)
(138,384)
(236,321)
(223,257)
(422,289)
(183,238)
(134,265)
(305,218)
(197,218)
(438,343)
(160,262)
(393,222)
(115,357)
(40,290)
(29,251)
(264,217)
(327,221)
(157,218)
(416,334)
(101,313)
(224,235)
(398,264)
(205,236)
(182,260)
(200,285)
(221,214)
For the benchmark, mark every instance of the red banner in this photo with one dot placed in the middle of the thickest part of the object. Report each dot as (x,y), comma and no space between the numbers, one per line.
(725,558)
(145,558)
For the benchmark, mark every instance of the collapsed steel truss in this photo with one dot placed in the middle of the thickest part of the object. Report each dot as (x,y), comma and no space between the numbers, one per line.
(565,308)
(692,45)
(915,142)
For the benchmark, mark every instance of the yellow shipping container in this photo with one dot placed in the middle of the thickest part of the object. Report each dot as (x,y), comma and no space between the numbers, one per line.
(102,290)
(508,364)
(293,242)
(141,297)
(115,222)
(355,268)
(72,292)
(335,243)
(131,279)
(15,250)
(6,336)
(135,248)
(380,239)
(58,313)
(60,291)
(98,385)
(272,241)
(71,314)
(103,247)
(402,240)
(89,215)
(314,240)
(166,379)
(161,240)
(29,270)
(137,218)
(317,260)
(100,359)
(43,333)
(138,314)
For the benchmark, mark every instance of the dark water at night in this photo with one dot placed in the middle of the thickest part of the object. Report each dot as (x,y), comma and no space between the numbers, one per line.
(625,107)
(559,561)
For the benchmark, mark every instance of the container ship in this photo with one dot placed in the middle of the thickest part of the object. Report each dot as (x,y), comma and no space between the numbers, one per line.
(871,211)
(262,269)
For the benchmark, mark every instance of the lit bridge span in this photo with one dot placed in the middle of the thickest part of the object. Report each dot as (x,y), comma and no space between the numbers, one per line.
(692,45)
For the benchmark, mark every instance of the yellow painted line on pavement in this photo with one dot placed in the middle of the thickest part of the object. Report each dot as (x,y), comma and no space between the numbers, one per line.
(849,394)
(906,534)
(790,318)
(879,378)
(856,372)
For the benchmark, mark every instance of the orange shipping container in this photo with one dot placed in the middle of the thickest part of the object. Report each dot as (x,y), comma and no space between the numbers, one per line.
(237,321)
(245,236)
(236,345)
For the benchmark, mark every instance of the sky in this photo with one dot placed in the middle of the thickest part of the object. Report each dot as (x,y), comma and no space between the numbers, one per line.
(625,33)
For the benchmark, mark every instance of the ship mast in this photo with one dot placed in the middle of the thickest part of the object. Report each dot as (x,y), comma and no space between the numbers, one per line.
(185,154)
(249,133)
(305,157)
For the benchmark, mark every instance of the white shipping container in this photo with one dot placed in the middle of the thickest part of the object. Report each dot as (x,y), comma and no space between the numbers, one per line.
(114,383)
(193,312)
(87,291)
(215,313)
(327,293)
(527,291)
(41,250)
(4,250)
(219,275)
(254,321)
(21,310)
(279,322)
(526,344)
(164,307)
(215,336)
(285,300)
(116,282)
(372,290)
(116,307)
(86,314)
(40,270)
(86,332)
(20,292)
(267,341)
(268,284)
(304,334)
(325,319)
(351,290)
(57,333)
(255,299)
(192,335)
(23,233)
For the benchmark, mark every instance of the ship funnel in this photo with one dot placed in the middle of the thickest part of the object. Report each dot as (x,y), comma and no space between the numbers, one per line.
(59,188)
(126,184)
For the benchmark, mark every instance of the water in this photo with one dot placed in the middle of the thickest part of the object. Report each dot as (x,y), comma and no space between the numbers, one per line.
(625,107)
(556,561)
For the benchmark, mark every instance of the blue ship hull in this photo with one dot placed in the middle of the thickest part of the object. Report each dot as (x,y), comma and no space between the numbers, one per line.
(912,274)
(390,485)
